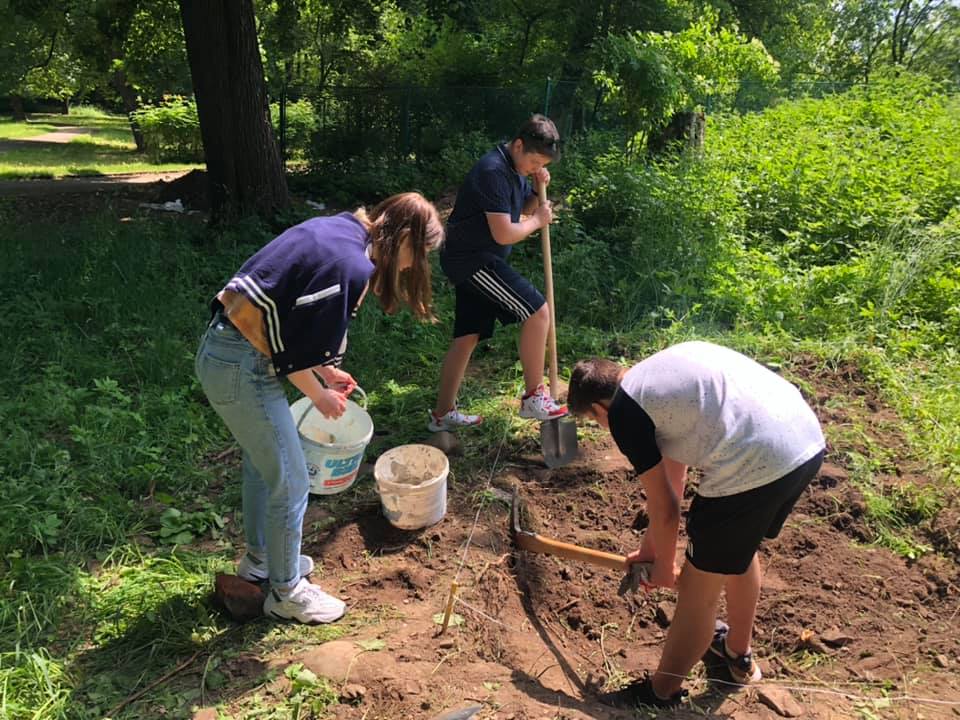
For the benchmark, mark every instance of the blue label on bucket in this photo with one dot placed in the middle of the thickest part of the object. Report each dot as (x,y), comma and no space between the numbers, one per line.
(344,466)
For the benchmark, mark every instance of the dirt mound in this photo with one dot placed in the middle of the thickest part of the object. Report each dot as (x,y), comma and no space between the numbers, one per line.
(844,628)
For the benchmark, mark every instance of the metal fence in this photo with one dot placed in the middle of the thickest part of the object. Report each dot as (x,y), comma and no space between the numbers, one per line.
(403,121)
(417,121)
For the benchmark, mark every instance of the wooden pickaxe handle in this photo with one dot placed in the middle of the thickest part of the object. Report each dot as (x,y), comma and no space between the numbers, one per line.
(534,542)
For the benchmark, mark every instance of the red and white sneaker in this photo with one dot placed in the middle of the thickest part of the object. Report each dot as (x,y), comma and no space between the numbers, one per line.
(452,420)
(538,405)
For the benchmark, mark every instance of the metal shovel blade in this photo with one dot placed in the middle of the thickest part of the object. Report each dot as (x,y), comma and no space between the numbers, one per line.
(558,439)
(459,713)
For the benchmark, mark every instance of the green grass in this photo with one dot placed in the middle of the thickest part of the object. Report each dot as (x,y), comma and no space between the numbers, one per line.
(114,514)
(109,149)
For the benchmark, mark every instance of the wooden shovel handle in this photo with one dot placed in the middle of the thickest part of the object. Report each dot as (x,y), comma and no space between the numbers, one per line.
(548,287)
(540,544)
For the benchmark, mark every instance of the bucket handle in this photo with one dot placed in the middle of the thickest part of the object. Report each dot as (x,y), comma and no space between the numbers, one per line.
(356,388)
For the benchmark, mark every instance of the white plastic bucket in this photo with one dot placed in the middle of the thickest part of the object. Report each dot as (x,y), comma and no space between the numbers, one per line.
(332,447)
(412,482)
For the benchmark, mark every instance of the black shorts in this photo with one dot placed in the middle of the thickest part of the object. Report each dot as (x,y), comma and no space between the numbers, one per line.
(725,532)
(494,292)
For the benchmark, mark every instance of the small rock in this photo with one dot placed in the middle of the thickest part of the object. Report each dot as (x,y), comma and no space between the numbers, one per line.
(446,644)
(242,600)
(779,700)
(941,661)
(353,694)
(832,475)
(207,713)
(447,442)
(834,637)
(411,687)
(663,614)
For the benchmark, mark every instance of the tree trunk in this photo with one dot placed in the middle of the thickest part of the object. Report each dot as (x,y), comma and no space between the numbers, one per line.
(128,96)
(243,162)
(685,130)
(16,107)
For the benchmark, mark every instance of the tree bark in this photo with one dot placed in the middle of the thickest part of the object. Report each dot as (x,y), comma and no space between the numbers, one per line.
(16,107)
(128,96)
(243,161)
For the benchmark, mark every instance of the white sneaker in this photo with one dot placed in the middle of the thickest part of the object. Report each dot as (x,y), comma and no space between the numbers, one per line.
(305,603)
(254,569)
(538,405)
(452,420)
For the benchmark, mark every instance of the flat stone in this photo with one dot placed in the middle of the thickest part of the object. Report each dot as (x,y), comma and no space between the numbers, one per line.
(242,600)
(207,713)
(447,442)
(834,473)
(834,637)
(779,700)
(332,659)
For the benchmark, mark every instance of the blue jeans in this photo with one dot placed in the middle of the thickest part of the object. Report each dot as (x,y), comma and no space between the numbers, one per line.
(242,387)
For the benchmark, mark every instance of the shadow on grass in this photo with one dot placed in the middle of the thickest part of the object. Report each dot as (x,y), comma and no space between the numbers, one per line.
(179,654)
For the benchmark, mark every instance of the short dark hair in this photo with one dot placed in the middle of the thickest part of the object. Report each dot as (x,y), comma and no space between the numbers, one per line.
(592,381)
(540,136)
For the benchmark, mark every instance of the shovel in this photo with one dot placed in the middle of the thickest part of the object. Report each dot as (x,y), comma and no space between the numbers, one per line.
(535,542)
(558,437)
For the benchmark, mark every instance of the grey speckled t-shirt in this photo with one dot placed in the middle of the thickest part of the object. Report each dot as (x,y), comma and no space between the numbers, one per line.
(715,409)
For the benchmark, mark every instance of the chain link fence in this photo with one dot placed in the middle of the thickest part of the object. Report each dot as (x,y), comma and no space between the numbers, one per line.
(415,122)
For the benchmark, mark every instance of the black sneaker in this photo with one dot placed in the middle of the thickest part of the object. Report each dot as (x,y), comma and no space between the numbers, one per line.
(742,668)
(640,692)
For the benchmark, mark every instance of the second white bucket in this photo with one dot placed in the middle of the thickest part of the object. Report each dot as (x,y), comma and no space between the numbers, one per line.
(412,482)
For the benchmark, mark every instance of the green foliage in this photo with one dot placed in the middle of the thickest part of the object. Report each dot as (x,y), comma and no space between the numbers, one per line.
(301,123)
(171,130)
(309,694)
(649,76)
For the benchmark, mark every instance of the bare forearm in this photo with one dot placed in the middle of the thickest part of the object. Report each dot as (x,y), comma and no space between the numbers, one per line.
(307,383)
(512,233)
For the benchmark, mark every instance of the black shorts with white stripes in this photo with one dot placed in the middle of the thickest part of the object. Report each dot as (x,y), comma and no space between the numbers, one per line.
(494,292)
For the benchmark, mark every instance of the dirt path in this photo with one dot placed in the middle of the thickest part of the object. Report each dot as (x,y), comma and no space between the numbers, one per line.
(83,185)
(63,134)
(844,629)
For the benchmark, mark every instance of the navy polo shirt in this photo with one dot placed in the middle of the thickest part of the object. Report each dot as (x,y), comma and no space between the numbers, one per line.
(307,282)
(492,186)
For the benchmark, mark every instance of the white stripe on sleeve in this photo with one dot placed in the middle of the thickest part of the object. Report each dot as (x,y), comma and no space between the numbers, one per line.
(259,298)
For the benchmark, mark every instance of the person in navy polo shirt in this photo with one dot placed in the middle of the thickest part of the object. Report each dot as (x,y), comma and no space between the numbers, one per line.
(481,231)
(285,314)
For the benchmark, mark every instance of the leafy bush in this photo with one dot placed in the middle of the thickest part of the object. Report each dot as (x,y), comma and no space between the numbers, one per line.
(301,124)
(818,217)
(171,130)
(649,76)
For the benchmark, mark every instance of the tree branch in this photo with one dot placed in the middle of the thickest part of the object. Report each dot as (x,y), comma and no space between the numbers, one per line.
(53,44)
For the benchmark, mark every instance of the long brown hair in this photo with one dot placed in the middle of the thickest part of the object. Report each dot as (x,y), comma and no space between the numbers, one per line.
(402,216)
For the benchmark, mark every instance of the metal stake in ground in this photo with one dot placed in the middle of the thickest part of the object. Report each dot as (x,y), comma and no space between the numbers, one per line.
(558,438)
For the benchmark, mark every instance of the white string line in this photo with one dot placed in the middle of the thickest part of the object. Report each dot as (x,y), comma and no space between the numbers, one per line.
(796,688)
(483,502)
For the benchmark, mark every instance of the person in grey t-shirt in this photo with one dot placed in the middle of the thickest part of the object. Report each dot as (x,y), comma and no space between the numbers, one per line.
(758,445)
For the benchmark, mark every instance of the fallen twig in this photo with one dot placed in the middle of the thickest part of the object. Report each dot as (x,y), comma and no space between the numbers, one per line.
(159,681)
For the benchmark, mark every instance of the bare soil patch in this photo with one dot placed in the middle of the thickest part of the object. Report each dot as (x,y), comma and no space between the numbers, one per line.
(841,622)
